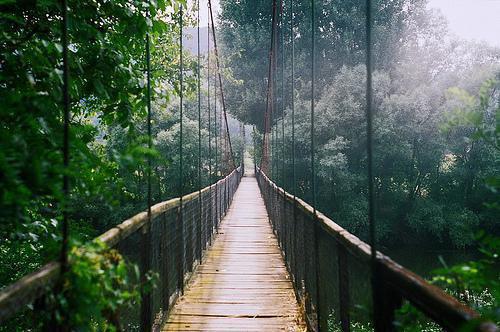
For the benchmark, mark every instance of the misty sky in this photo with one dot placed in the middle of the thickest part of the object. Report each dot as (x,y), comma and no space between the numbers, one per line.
(469,19)
(472,19)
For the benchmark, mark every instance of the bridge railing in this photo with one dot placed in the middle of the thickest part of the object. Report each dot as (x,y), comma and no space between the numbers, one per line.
(176,247)
(332,277)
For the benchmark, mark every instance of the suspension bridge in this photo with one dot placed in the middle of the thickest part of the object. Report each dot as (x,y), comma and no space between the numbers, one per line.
(244,254)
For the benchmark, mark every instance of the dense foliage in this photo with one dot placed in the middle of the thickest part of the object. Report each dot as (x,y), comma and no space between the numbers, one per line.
(108,142)
(437,113)
(436,129)
(431,176)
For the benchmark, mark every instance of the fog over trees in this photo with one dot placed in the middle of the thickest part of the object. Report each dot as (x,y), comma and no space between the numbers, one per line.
(434,96)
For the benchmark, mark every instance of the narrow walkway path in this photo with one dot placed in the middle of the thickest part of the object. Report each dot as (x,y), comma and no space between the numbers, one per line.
(243,284)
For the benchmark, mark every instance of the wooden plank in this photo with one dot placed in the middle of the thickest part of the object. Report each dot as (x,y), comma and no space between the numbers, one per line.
(242,284)
(198,323)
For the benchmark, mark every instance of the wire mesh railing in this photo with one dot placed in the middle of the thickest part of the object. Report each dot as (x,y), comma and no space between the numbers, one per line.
(176,248)
(331,273)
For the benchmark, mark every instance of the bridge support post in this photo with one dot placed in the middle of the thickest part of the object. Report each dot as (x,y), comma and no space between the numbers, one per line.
(386,300)
(317,274)
(145,266)
(180,250)
(343,274)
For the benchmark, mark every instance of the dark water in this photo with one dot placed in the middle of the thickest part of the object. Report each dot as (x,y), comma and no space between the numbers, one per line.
(423,262)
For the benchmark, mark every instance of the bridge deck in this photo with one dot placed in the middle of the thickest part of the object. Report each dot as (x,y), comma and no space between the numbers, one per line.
(243,284)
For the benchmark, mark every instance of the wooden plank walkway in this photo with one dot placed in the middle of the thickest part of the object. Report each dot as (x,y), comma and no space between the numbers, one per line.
(243,284)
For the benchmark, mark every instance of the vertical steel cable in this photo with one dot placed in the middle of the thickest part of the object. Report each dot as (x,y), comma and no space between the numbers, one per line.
(199,138)
(254,147)
(273,155)
(264,161)
(223,101)
(210,176)
(219,150)
(294,174)
(55,323)
(243,146)
(275,98)
(379,324)
(181,166)
(276,147)
(146,232)
(283,176)
(148,102)
(66,110)
(313,46)
(282,30)
(292,98)
(313,166)
(216,158)
(369,128)
(273,174)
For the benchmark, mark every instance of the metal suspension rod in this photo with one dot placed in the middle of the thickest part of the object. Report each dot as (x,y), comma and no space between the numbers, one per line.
(216,134)
(294,174)
(379,324)
(369,128)
(181,102)
(275,98)
(146,235)
(181,118)
(313,166)
(292,98)
(254,147)
(284,236)
(273,173)
(199,134)
(264,162)
(199,97)
(223,101)
(210,175)
(313,45)
(216,157)
(282,30)
(148,100)
(380,315)
(58,325)
(65,150)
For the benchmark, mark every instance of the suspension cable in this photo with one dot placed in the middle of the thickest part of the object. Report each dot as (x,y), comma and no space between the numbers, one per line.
(377,296)
(275,99)
(210,176)
(199,99)
(282,31)
(369,128)
(254,147)
(220,83)
(272,175)
(313,170)
(181,101)
(148,103)
(292,100)
(66,110)
(264,162)
(181,116)
(216,134)
(146,236)
(199,132)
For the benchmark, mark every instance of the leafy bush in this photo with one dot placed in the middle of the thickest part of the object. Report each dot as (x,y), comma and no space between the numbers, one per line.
(98,286)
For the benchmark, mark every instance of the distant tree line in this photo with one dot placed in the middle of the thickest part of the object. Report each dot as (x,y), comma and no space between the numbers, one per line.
(433,174)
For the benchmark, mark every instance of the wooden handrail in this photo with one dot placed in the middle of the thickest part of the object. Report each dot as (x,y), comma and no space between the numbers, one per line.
(29,288)
(435,303)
